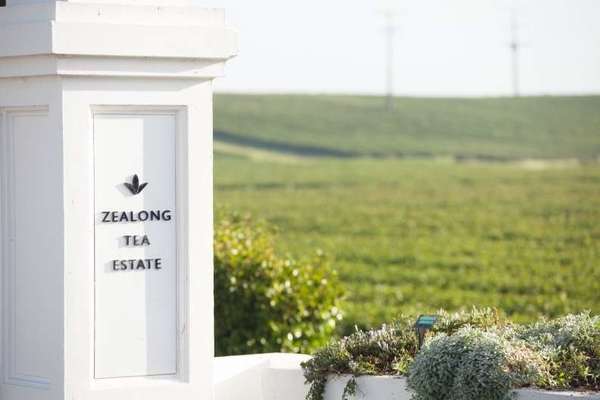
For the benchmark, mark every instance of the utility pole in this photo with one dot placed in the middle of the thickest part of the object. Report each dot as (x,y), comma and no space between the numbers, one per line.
(515,47)
(390,33)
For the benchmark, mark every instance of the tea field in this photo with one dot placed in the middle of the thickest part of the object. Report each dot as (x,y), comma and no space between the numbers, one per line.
(413,235)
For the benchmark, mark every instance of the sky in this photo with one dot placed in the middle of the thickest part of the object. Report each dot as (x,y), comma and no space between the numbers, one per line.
(442,47)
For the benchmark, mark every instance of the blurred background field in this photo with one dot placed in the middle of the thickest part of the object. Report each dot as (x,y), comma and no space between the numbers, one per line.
(439,203)
(350,126)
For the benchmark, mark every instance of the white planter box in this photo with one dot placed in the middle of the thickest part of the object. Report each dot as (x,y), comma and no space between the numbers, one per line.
(369,388)
(279,377)
(393,388)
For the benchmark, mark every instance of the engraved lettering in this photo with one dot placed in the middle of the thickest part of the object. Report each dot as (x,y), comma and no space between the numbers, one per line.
(137,264)
(143,216)
(136,216)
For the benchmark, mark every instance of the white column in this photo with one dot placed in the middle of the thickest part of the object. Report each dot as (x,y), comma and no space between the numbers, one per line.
(106,283)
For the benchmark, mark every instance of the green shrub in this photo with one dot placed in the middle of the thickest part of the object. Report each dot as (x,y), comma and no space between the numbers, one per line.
(265,302)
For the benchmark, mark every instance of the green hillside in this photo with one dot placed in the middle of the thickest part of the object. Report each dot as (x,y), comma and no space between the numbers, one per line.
(348,126)
(413,235)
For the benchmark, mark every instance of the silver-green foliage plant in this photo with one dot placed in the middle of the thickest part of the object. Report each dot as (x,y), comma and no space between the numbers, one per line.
(472,364)
(388,350)
(385,351)
(571,347)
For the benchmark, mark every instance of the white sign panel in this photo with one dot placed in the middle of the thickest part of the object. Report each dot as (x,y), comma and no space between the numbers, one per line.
(135,245)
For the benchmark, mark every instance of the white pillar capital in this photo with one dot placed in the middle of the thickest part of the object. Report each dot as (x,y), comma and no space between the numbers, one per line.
(121,2)
(114,38)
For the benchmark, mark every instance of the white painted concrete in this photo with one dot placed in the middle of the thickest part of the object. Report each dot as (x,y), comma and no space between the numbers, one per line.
(186,40)
(142,302)
(260,377)
(31,247)
(90,94)
(392,388)
(371,388)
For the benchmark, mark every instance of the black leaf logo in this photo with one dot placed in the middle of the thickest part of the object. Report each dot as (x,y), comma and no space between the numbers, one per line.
(135,187)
